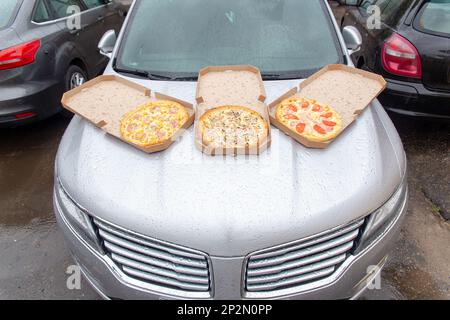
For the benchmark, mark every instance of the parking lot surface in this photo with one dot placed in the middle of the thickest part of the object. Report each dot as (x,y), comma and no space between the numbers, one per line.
(34,258)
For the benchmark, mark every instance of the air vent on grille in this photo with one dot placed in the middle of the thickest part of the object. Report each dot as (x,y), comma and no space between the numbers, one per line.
(155,262)
(297,264)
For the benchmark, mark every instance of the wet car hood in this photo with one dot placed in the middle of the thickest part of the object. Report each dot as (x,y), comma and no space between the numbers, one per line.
(232,206)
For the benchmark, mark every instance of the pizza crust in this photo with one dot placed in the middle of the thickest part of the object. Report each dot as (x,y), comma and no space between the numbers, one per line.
(312,120)
(233,127)
(153,123)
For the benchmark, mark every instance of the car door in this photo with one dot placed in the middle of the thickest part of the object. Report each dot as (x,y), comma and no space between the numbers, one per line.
(364,17)
(70,17)
(111,15)
(93,21)
(99,17)
(358,16)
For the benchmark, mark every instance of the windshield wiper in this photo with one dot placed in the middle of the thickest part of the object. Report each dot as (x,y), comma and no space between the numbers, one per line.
(144,74)
(284,76)
(188,78)
(271,76)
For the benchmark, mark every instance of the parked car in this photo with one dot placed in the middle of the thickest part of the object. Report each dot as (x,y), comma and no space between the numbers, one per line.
(411,50)
(42,56)
(178,224)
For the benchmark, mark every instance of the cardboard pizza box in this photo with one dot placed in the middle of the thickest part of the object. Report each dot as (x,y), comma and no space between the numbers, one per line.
(105,100)
(348,90)
(230,85)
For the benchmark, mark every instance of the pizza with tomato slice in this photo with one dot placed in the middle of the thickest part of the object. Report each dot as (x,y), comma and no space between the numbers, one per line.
(310,119)
(153,123)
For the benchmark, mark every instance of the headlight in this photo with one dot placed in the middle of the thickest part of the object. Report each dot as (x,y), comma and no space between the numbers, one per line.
(76,217)
(381,219)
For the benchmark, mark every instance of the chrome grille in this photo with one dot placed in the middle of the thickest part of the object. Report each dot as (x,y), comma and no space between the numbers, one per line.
(300,263)
(155,262)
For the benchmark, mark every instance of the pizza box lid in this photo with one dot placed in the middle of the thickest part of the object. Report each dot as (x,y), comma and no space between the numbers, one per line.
(105,100)
(240,85)
(346,89)
(221,85)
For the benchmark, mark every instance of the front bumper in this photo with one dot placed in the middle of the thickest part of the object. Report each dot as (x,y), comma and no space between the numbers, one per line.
(415,99)
(348,282)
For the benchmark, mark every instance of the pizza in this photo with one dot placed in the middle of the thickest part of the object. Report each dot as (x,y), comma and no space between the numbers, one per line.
(153,123)
(233,127)
(310,119)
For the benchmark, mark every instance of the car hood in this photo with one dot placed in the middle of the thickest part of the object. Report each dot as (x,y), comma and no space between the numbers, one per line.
(231,206)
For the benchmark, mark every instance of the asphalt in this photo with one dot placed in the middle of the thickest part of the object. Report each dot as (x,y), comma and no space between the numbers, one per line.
(34,258)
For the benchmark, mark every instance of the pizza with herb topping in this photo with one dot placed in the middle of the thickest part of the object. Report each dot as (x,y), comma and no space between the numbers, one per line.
(153,123)
(310,119)
(233,127)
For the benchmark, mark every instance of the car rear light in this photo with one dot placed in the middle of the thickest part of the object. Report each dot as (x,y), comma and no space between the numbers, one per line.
(401,58)
(24,115)
(20,55)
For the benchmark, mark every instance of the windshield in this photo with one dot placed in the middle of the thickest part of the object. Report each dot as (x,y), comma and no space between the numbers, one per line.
(7,9)
(435,17)
(287,38)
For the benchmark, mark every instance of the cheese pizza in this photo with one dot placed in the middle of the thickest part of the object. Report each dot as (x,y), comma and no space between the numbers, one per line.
(310,119)
(233,127)
(153,123)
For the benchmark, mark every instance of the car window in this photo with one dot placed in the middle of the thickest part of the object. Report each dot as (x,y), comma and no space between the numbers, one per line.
(392,11)
(41,13)
(61,8)
(367,3)
(434,17)
(7,10)
(279,37)
(93,3)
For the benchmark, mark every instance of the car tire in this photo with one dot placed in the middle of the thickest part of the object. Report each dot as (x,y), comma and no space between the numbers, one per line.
(75,76)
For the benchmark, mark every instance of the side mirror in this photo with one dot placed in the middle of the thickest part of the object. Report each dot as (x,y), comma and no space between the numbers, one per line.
(107,43)
(352,38)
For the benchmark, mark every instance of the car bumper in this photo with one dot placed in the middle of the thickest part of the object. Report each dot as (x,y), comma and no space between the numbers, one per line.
(348,282)
(416,100)
(40,100)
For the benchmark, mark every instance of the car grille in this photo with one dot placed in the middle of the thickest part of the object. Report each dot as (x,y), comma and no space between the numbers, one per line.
(301,263)
(155,262)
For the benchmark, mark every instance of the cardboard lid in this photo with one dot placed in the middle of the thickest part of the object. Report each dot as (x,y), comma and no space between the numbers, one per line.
(228,85)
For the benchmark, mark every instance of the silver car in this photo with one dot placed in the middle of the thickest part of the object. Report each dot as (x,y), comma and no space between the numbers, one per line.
(292,223)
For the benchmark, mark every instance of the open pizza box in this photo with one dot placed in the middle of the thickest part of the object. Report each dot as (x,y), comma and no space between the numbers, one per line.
(105,100)
(239,85)
(348,90)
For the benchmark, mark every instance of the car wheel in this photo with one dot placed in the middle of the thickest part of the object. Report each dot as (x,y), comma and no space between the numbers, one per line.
(75,77)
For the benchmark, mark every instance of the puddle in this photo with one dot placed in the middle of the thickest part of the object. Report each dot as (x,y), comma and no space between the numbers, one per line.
(26,171)
(416,284)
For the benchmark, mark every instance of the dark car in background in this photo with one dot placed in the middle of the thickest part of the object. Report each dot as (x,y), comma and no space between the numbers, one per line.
(44,52)
(411,50)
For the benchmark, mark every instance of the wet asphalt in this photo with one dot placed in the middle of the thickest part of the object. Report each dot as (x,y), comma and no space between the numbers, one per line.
(34,258)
